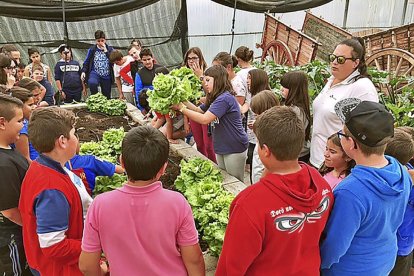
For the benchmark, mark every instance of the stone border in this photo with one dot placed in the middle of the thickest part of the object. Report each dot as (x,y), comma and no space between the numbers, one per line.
(230,183)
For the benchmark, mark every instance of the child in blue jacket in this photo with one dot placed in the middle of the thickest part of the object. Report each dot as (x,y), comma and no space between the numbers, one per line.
(402,148)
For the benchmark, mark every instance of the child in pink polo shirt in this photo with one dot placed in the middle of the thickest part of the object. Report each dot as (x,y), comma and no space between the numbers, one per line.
(142,228)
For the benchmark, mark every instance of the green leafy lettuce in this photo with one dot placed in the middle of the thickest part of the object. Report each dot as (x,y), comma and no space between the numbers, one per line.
(178,86)
(201,184)
(99,103)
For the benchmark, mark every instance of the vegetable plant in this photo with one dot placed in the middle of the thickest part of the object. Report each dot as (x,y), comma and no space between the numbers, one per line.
(396,93)
(317,72)
(108,149)
(201,184)
(178,86)
(99,103)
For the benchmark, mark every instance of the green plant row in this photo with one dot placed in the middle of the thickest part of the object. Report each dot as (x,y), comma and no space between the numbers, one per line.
(201,184)
(108,149)
(317,72)
(397,94)
(400,102)
(99,103)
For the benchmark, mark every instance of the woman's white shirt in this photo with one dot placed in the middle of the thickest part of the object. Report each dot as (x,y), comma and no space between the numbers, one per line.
(325,120)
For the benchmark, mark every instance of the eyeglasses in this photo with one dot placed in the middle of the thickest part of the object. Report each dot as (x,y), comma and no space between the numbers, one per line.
(11,67)
(192,58)
(341,134)
(339,59)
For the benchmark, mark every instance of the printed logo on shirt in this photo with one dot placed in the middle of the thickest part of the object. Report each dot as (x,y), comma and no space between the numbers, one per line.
(101,64)
(125,83)
(215,122)
(75,179)
(69,68)
(295,222)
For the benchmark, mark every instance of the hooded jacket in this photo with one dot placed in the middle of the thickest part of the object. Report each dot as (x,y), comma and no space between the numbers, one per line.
(405,234)
(275,226)
(361,232)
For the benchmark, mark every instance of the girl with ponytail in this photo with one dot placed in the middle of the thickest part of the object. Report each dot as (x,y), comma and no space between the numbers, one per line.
(349,80)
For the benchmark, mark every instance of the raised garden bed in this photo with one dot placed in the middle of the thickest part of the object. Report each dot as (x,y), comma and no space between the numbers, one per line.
(90,126)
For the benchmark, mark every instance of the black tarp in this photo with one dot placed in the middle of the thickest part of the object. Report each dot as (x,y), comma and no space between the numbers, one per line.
(78,11)
(274,6)
(162,26)
(75,11)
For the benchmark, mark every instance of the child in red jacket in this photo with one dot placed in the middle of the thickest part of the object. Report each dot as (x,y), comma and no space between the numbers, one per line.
(54,200)
(275,225)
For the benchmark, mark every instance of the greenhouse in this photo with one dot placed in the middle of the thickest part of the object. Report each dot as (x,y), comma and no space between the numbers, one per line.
(207,137)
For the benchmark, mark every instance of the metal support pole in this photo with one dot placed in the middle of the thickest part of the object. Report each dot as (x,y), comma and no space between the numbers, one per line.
(232,25)
(65,41)
(184,27)
(345,14)
(404,12)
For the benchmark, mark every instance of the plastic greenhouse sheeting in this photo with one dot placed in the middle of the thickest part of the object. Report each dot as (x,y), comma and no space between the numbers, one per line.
(78,10)
(160,25)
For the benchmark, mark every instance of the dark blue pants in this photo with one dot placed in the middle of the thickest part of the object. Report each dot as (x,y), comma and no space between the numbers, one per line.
(73,95)
(95,80)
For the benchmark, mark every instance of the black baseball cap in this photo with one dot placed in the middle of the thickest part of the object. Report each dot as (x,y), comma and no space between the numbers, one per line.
(369,122)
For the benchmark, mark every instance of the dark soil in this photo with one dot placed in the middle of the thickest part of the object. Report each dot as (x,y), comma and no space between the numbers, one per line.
(172,171)
(90,126)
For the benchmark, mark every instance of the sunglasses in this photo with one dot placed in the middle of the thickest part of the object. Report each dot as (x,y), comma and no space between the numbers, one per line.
(11,67)
(341,134)
(339,59)
(193,58)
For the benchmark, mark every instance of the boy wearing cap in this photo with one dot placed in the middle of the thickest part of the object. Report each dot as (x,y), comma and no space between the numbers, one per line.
(370,203)
(67,76)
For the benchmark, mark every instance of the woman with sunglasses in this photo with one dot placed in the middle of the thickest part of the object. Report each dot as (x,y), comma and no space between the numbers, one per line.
(349,79)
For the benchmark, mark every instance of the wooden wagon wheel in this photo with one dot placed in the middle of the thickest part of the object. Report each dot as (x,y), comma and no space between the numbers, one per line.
(397,62)
(279,52)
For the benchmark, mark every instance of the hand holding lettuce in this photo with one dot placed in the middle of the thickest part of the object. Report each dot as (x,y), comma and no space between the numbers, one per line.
(179,86)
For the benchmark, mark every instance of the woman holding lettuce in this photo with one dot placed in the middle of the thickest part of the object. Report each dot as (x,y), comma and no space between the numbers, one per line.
(222,112)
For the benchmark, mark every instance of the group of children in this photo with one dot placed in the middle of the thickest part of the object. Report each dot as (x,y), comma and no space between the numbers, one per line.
(51,203)
(284,224)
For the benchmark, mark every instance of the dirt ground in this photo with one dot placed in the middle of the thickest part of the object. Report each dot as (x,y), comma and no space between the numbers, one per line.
(90,127)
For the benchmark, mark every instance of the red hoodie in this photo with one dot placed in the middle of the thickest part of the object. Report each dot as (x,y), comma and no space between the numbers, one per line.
(275,226)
